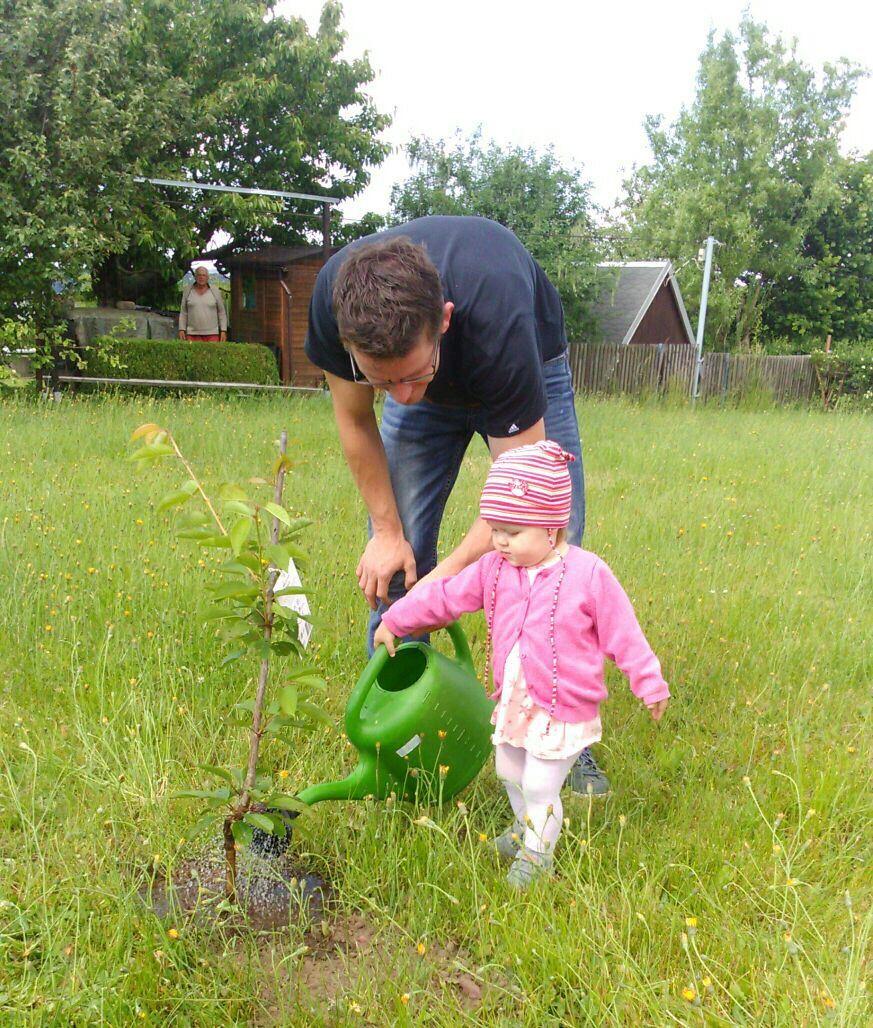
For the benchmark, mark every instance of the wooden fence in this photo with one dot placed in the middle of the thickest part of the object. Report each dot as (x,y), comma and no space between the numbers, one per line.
(600,368)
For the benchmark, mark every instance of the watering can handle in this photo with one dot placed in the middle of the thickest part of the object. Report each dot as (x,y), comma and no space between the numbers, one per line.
(462,647)
(362,688)
(371,672)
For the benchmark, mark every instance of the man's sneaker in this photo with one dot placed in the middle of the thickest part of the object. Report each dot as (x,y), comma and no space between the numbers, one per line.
(508,843)
(528,866)
(586,778)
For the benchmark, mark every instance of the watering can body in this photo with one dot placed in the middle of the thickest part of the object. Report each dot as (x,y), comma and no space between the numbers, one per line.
(421,723)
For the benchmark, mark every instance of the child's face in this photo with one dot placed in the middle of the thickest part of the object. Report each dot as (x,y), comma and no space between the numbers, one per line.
(522,545)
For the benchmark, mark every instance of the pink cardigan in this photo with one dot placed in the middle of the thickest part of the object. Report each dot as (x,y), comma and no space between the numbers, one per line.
(594,618)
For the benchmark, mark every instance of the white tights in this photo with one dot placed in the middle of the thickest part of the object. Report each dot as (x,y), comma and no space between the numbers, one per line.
(534,789)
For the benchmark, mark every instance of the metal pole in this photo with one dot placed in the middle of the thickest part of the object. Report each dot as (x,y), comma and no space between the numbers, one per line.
(711,241)
(325,231)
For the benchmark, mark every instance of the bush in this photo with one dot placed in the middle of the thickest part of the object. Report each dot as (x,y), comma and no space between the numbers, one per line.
(182,360)
(847,371)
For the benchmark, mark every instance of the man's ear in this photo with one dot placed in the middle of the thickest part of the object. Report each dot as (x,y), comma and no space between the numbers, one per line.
(448,307)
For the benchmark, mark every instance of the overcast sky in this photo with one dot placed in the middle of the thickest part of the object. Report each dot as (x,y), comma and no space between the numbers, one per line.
(569,74)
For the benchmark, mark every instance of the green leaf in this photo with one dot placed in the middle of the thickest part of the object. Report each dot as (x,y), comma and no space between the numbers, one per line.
(242,833)
(234,590)
(238,507)
(313,711)
(280,825)
(282,802)
(235,567)
(292,590)
(195,532)
(202,794)
(218,613)
(231,491)
(189,487)
(259,821)
(296,526)
(312,682)
(278,512)
(201,825)
(239,535)
(235,655)
(288,699)
(219,772)
(220,542)
(173,500)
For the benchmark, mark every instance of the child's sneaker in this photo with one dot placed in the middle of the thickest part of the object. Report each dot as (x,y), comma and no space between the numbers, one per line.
(508,843)
(586,778)
(528,866)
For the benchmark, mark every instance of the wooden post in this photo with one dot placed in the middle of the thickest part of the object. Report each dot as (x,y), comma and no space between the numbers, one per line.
(828,343)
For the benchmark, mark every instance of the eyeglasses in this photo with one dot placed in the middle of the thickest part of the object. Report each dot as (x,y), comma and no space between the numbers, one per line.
(359,377)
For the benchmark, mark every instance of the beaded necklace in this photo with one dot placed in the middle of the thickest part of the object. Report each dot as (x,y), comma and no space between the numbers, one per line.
(489,624)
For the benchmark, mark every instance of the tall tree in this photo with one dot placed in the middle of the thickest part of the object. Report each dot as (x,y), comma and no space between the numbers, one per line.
(750,162)
(74,116)
(201,90)
(546,204)
(833,291)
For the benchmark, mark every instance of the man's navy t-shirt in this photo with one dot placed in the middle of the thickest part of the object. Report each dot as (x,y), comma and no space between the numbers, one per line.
(507,320)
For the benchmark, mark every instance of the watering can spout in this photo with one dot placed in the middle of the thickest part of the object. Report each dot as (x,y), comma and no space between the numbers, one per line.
(360,783)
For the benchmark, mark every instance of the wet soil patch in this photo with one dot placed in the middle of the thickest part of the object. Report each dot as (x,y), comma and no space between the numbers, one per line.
(272,893)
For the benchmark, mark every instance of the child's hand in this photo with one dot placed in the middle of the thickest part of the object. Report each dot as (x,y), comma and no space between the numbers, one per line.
(384,635)
(657,709)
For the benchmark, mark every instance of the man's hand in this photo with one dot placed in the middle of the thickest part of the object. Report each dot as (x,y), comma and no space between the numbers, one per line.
(181,333)
(222,337)
(657,709)
(384,555)
(384,636)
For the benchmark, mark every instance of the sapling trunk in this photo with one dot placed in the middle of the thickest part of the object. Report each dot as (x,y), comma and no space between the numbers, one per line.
(243,803)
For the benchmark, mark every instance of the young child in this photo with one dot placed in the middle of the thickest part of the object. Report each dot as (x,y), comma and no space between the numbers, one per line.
(553,611)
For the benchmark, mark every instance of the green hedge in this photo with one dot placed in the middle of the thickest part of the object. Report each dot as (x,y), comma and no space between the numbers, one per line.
(181,360)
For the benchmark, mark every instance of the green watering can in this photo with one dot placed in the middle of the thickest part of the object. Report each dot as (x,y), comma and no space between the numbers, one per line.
(421,723)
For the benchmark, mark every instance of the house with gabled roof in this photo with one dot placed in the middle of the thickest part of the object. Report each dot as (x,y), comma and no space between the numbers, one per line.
(639,302)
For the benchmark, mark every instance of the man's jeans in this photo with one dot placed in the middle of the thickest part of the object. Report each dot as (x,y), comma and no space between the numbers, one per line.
(425,444)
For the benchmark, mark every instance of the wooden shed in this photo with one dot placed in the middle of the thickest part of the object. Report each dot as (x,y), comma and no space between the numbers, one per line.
(269,295)
(640,302)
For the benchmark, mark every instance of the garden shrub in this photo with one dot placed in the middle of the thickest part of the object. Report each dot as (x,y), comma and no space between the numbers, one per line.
(183,360)
(846,372)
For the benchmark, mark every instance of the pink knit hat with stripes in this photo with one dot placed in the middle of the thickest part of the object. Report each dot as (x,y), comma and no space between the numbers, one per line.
(529,485)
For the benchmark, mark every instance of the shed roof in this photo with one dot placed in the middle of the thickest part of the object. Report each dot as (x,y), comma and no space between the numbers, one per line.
(273,256)
(627,291)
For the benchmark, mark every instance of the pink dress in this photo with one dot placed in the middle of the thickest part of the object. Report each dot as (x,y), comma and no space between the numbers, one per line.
(519,721)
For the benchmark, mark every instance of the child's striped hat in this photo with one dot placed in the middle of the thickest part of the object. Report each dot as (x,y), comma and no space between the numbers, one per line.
(529,485)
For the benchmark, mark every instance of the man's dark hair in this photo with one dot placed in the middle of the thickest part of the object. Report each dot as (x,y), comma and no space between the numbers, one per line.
(385,295)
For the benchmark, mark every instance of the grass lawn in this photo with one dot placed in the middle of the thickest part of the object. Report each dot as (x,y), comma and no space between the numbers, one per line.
(726,881)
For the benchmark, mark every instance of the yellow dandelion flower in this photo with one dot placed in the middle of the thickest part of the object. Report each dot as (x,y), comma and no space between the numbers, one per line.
(689,994)
(283,773)
(404,999)
(691,922)
(441,734)
(483,837)
(173,933)
(421,949)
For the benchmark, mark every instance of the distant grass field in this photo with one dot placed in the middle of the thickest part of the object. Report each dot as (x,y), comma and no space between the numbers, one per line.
(726,881)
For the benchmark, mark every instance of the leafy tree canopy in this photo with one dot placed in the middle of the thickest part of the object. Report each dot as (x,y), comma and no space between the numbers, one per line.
(546,204)
(102,90)
(751,161)
(833,292)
